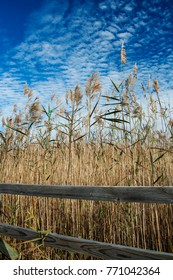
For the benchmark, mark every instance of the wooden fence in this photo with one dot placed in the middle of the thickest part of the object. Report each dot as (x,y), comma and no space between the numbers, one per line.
(79,245)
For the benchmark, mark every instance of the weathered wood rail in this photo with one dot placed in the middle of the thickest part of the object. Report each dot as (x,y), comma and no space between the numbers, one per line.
(89,247)
(117,194)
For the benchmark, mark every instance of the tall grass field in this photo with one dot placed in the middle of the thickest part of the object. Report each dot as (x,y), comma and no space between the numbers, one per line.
(120,138)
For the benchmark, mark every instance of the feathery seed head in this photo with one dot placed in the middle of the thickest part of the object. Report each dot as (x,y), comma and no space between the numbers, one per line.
(78,94)
(35,110)
(66,96)
(156,86)
(28,91)
(135,69)
(18,118)
(143,87)
(3,121)
(171,123)
(15,108)
(149,82)
(58,101)
(152,104)
(93,85)
(123,54)
(61,111)
(71,95)
(52,96)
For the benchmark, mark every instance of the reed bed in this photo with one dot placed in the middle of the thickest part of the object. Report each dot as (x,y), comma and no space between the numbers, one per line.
(90,139)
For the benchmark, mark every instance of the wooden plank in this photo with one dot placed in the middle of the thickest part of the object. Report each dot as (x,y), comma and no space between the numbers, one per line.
(101,250)
(118,194)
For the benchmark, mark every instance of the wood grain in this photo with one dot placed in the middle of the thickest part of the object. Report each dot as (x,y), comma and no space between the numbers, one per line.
(100,250)
(111,193)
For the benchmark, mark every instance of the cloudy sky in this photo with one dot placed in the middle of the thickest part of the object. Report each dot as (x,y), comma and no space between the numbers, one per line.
(53,45)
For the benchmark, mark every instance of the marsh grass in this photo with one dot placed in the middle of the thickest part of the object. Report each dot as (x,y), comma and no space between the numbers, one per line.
(120,144)
(139,225)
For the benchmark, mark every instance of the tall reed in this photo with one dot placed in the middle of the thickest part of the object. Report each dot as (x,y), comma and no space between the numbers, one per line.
(119,144)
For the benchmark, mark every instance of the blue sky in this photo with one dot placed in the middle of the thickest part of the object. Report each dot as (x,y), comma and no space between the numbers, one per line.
(54,45)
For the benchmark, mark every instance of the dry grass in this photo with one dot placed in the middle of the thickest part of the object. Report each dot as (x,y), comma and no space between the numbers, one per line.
(81,145)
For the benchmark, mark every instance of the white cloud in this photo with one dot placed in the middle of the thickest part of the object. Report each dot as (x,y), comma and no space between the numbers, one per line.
(128,7)
(64,44)
(107,35)
(103,6)
(124,36)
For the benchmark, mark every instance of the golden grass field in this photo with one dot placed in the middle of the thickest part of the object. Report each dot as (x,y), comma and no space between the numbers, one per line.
(82,142)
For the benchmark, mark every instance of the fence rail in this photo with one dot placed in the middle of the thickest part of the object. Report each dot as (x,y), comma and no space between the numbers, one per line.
(93,248)
(117,194)
(89,247)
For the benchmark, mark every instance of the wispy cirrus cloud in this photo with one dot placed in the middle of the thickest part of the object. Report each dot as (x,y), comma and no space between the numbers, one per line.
(66,41)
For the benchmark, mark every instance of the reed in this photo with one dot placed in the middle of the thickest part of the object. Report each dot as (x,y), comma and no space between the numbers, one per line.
(84,143)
